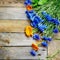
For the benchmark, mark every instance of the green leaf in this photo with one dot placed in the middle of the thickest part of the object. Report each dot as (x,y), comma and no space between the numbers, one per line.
(41,2)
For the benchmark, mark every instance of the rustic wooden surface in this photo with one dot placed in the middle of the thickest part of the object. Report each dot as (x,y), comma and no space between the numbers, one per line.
(54,47)
(13,13)
(14,44)
(17,45)
(13,25)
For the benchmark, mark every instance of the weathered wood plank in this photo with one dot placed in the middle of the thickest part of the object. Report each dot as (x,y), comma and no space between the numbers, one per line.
(54,45)
(13,25)
(13,13)
(12,3)
(15,39)
(21,53)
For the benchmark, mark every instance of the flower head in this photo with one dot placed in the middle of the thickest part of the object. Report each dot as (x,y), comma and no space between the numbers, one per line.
(47,16)
(27,2)
(36,37)
(33,52)
(33,24)
(55,21)
(28,31)
(29,7)
(44,44)
(37,19)
(55,30)
(42,27)
(35,47)
(30,14)
(46,38)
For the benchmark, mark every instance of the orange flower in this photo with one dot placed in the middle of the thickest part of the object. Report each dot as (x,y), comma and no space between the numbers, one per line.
(29,7)
(35,46)
(28,31)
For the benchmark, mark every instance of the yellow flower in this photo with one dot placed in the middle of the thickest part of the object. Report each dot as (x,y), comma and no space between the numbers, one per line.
(28,31)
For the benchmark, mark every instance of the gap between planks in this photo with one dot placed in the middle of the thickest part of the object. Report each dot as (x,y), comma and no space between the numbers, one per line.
(22,53)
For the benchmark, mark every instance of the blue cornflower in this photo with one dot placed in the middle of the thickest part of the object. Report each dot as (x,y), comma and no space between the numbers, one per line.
(33,24)
(41,27)
(44,44)
(47,16)
(36,37)
(30,14)
(55,30)
(55,21)
(33,53)
(46,38)
(37,19)
(28,2)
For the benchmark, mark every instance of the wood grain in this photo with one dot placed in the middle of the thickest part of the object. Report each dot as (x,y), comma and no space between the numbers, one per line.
(13,25)
(16,45)
(13,13)
(21,53)
(54,45)
(12,3)
(15,39)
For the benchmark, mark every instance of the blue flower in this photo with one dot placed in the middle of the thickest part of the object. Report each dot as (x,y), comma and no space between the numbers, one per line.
(27,2)
(30,14)
(50,19)
(36,37)
(37,19)
(44,44)
(55,21)
(33,52)
(55,30)
(33,24)
(46,38)
(47,16)
(41,27)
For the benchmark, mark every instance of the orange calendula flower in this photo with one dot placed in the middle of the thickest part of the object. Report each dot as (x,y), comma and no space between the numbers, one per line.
(29,7)
(35,46)
(28,31)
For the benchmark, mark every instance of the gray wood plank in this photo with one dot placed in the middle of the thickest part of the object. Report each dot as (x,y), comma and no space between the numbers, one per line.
(12,13)
(21,53)
(15,39)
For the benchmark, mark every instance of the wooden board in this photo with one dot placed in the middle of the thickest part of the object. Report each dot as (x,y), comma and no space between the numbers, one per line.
(15,39)
(12,3)
(54,47)
(21,53)
(13,13)
(13,26)
(15,46)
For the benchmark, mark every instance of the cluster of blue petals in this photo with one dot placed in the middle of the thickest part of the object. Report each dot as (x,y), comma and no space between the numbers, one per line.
(44,44)
(36,36)
(27,2)
(37,22)
(55,30)
(50,18)
(46,38)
